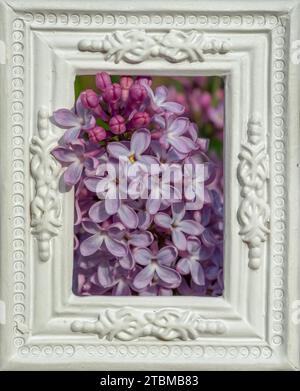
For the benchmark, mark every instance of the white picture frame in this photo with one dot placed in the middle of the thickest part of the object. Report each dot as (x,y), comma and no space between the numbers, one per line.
(255,325)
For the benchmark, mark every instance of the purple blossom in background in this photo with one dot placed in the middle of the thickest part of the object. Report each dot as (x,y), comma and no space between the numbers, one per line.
(158,241)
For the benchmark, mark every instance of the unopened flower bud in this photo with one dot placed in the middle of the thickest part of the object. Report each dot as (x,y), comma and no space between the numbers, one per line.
(117,124)
(103,80)
(125,83)
(137,93)
(112,93)
(140,119)
(89,99)
(97,134)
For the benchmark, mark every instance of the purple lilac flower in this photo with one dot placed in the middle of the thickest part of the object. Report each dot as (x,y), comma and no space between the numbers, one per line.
(74,120)
(156,265)
(103,237)
(159,100)
(76,158)
(178,225)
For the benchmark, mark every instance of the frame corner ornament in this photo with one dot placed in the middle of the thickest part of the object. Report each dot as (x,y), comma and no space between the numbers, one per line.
(45,206)
(167,324)
(253,171)
(136,46)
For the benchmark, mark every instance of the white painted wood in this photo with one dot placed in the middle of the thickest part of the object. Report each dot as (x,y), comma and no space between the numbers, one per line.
(255,325)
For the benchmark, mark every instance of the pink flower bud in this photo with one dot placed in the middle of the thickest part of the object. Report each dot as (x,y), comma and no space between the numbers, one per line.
(205,100)
(89,99)
(126,82)
(103,80)
(112,93)
(137,92)
(117,124)
(140,119)
(97,134)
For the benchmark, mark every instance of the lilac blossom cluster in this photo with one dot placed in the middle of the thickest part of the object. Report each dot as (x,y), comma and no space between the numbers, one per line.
(153,245)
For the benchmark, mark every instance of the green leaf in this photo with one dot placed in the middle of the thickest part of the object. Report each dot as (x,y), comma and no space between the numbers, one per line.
(101,123)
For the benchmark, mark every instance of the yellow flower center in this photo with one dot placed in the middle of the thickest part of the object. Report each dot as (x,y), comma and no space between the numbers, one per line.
(131,158)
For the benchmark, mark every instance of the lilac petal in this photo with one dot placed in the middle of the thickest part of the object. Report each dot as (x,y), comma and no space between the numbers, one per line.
(153,205)
(211,273)
(71,135)
(159,120)
(73,173)
(183,266)
(173,107)
(205,215)
(112,205)
(78,148)
(145,219)
(89,122)
(144,277)
(178,211)
(206,253)
(193,245)
(197,273)
(168,275)
(141,239)
(127,262)
(161,94)
(142,256)
(149,90)
(140,141)
(148,160)
(116,150)
(64,155)
(91,184)
(91,163)
(115,247)
(178,126)
(80,109)
(208,238)
(179,239)
(167,255)
(128,216)
(191,227)
(66,118)
(98,213)
(182,144)
(91,227)
(163,220)
(104,274)
(90,245)
(121,289)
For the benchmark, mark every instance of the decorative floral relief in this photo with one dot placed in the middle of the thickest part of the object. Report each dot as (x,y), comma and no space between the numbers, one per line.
(135,46)
(253,172)
(128,324)
(45,207)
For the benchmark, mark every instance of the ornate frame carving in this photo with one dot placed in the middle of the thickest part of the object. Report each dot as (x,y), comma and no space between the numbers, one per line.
(251,325)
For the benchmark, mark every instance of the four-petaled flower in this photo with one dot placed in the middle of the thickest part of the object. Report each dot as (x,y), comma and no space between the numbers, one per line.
(103,237)
(157,265)
(74,121)
(178,225)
